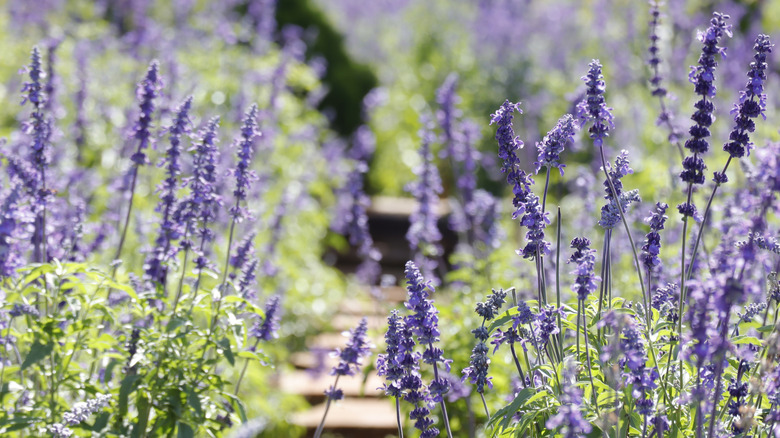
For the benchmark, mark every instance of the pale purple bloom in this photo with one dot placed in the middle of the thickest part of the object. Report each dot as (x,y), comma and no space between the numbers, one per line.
(569,416)
(554,142)
(652,246)
(351,357)
(266,328)
(242,172)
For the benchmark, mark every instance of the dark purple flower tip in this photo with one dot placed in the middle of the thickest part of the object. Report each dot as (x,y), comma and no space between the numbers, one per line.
(594,107)
(146,92)
(334,394)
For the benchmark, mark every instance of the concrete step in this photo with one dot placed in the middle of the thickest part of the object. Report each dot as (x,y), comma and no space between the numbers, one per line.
(352,417)
(312,387)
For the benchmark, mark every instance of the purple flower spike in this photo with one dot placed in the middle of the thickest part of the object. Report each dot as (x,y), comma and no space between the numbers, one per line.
(508,145)
(585,259)
(554,142)
(203,200)
(266,328)
(171,228)
(351,357)
(569,416)
(752,103)
(424,236)
(243,174)
(594,108)
(703,77)
(148,90)
(652,245)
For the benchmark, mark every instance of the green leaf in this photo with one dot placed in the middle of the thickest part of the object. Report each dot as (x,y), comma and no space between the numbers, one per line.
(185,431)
(224,344)
(194,402)
(504,415)
(766,329)
(37,352)
(746,340)
(239,404)
(127,387)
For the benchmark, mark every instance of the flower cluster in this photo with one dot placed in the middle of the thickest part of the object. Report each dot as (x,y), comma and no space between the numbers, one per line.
(424,236)
(477,371)
(155,268)
(594,107)
(554,143)
(508,145)
(266,328)
(652,246)
(703,76)
(243,174)
(569,416)
(148,90)
(752,103)
(585,259)
(610,215)
(358,347)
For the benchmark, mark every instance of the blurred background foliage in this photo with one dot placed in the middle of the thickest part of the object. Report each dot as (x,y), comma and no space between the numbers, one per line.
(309,64)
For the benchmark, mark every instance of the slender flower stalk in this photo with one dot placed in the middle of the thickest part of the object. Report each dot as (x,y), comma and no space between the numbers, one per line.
(652,246)
(477,371)
(390,364)
(350,361)
(666,117)
(424,323)
(244,176)
(148,90)
(424,236)
(199,209)
(171,227)
(39,129)
(264,329)
(752,103)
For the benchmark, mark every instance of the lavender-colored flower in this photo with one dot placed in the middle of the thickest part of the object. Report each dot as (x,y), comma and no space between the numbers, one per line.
(479,363)
(38,127)
(244,253)
(546,323)
(594,108)
(389,364)
(24,309)
(59,430)
(351,218)
(242,173)
(351,357)
(652,245)
(202,202)
(148,90)
(585,259)
(569,416)
(508,145)
(535,219)
(11,211)
(448,114)
(610,215)
(554,142)
(156,268)
(424,236)
(265,328)
(83,410)
(665,301)
(246,282)
(654,61)
(334,394)
(751,311)
(752,103)
(703,76)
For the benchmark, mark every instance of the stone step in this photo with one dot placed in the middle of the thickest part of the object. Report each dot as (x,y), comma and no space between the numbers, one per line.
(312,387)
(352,417)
